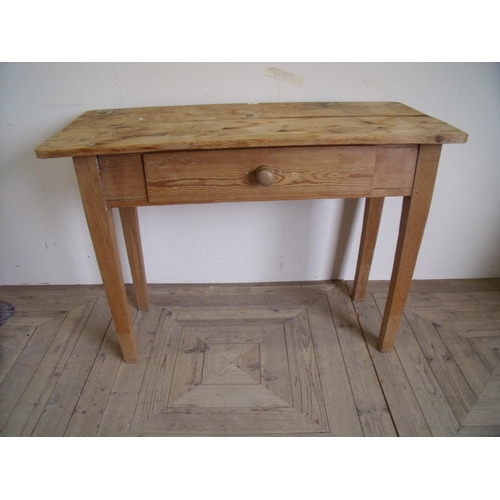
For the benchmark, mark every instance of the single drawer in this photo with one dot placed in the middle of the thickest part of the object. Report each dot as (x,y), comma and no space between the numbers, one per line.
(260,174)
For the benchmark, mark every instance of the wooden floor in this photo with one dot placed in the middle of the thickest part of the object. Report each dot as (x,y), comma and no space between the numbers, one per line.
(269,360)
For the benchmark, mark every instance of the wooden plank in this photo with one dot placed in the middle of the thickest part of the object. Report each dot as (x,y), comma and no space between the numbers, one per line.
(214,364)
(240,334)
(371,223)
(479,431)
(63,399)
(413,220)
(132,235)
(486,410)
(491,390)
(412,394)
(339,401)
(123,398)
(466,313)
(230,422)
(304,377)
(440,286)
(233,316)
(218,370)
(92,402)
(234,297)
(249,364)
(488,350)
(372,408)
(475,328)
(274,365)
(17,333)
(12,344)
(211,112)
(226,291)
(49,304)
(467,299)
(9,292)
(468,361)
(36,395)
(472,313)
(188,366)
(102,231)
(141,130)
(435,407)
(23,322)
(449,376)
(228,396)
(25,366)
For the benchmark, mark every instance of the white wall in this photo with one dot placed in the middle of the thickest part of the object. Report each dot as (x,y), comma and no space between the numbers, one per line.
(43,233)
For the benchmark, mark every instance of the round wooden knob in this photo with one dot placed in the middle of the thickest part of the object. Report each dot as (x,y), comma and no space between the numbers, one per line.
(265,175)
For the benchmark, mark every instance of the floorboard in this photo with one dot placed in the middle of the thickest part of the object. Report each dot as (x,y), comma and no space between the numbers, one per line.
(282,359)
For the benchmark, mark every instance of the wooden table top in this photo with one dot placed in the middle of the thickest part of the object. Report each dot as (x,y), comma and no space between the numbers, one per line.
(225,126)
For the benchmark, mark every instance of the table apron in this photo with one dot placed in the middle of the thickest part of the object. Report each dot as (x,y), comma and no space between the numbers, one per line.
(213,176)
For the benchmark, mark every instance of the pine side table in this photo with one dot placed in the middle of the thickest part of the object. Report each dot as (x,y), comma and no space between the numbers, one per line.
(126,158)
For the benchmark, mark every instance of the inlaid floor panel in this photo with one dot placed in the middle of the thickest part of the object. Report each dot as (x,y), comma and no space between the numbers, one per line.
(282,359)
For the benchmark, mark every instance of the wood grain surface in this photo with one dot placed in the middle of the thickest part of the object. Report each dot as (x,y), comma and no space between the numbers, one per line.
(314,372)
(180,177)
(102,231)
(140,130)
(413,218)
(229,175)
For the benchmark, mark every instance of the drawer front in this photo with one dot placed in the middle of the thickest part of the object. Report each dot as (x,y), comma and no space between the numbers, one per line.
(260,174)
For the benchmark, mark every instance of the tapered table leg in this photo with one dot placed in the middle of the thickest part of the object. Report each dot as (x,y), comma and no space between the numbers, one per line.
(371,223)
(411,230)
(102,231)
(131,233)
